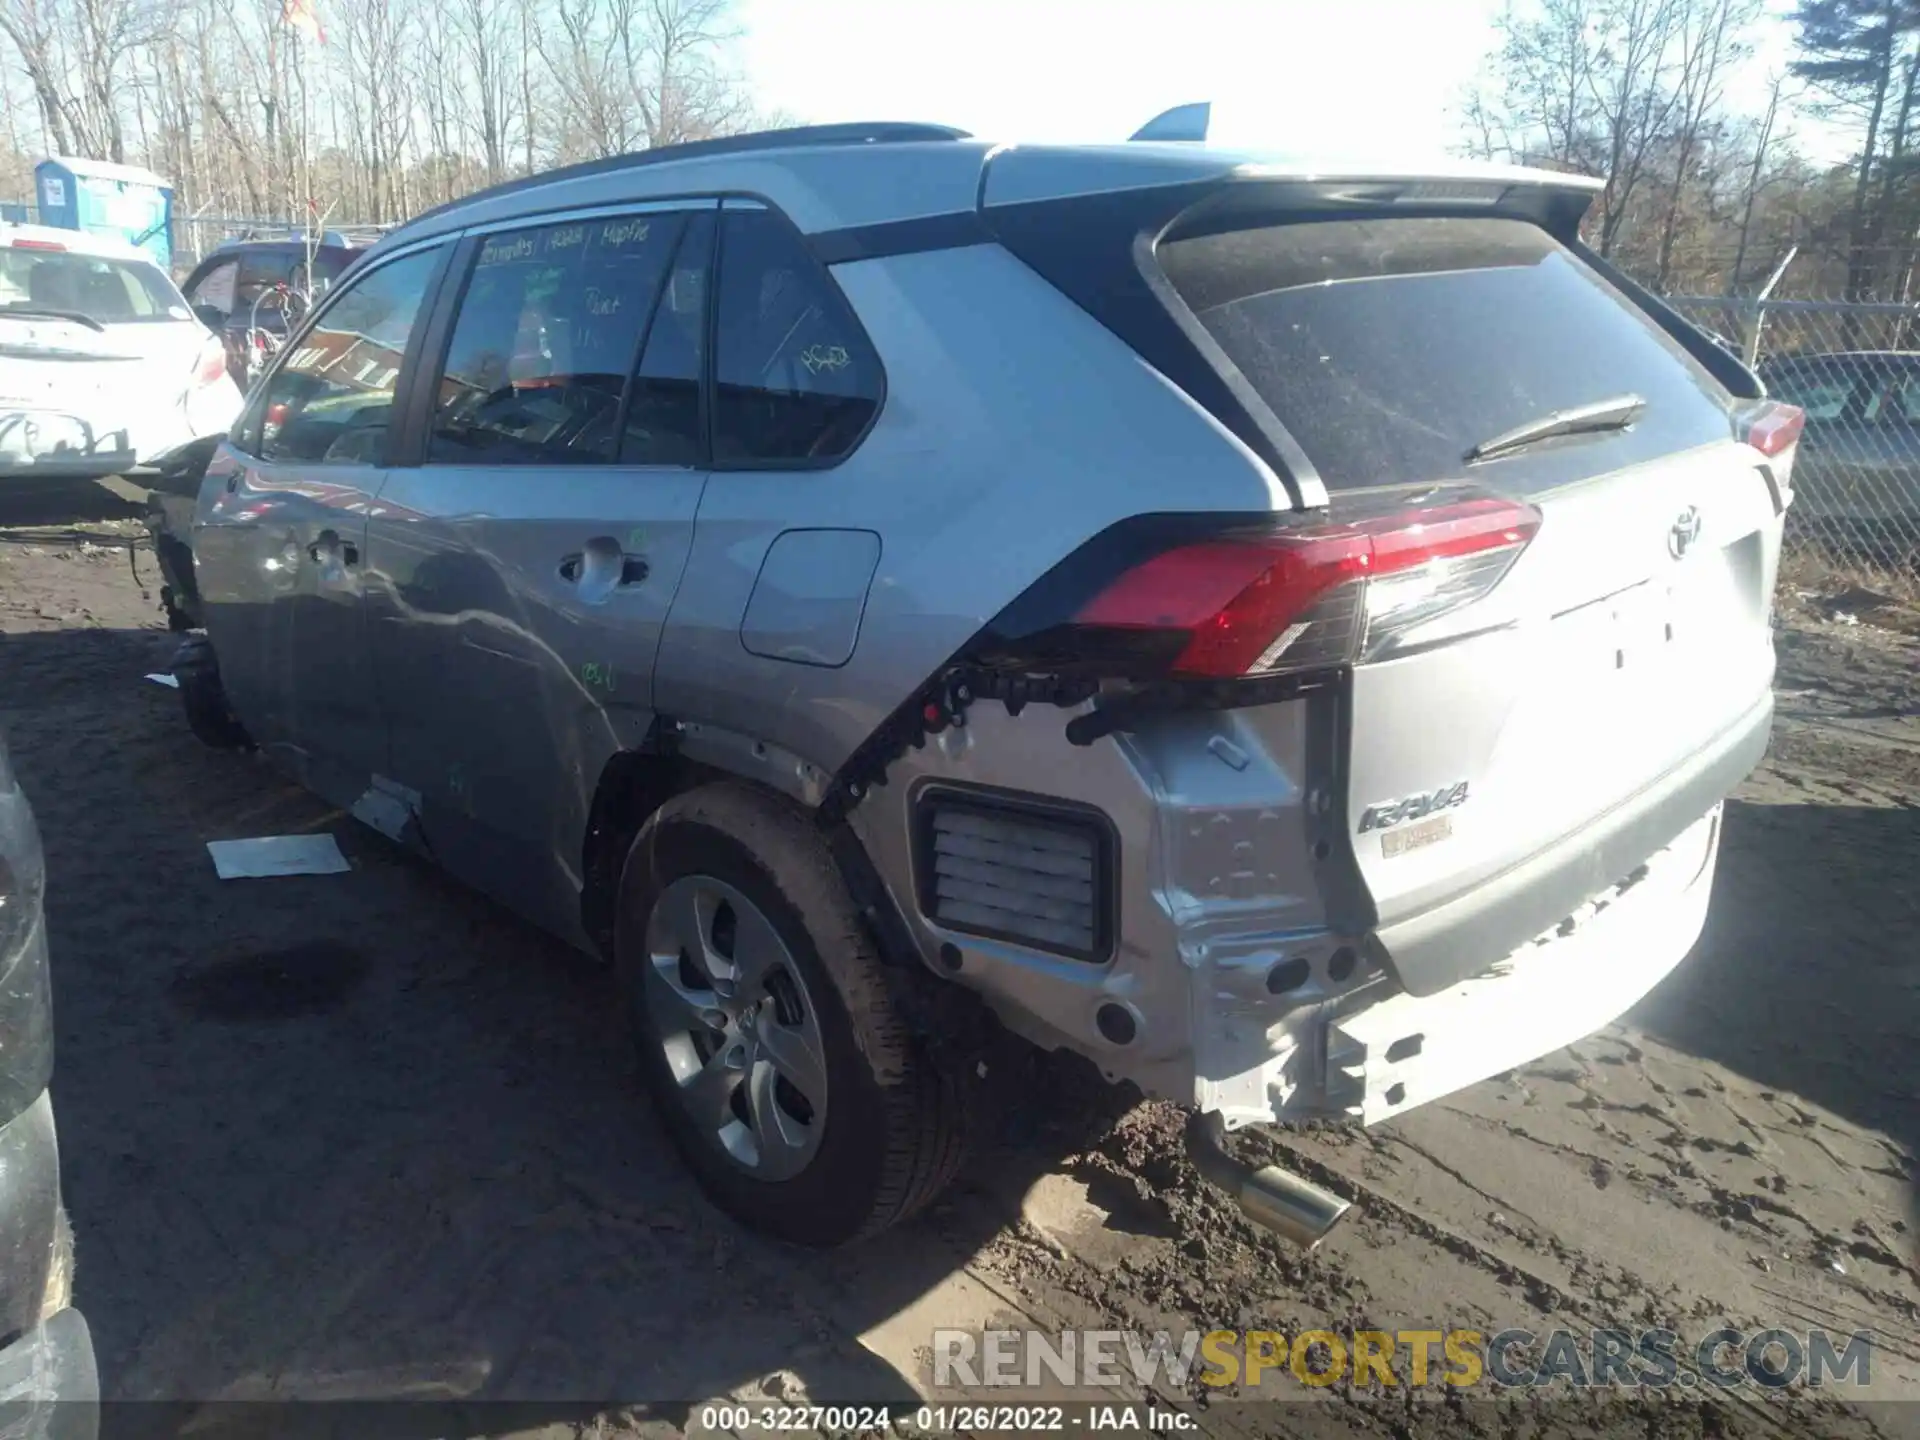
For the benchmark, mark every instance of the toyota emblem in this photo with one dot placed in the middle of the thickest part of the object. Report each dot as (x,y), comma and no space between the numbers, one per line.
(1685,531)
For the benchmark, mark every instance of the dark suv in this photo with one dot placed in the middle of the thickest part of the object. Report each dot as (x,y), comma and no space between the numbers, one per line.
(223,288)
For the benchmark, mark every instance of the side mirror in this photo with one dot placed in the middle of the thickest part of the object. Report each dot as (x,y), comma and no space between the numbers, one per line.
(210,317)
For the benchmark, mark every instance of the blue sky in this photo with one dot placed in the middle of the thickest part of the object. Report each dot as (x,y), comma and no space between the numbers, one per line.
(1357,76)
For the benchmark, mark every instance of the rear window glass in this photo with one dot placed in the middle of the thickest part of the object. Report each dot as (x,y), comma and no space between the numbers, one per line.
(1391,347)
(108,292)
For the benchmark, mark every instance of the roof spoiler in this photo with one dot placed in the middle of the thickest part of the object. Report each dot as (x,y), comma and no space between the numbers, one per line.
(1182,122)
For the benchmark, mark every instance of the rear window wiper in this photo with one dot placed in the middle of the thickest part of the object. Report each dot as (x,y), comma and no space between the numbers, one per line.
(44,312)
(1595,419)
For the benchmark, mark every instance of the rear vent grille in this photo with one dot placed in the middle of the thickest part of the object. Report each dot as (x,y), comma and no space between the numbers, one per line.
(1036,875)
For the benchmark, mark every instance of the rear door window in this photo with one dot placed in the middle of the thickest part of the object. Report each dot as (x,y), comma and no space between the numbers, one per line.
(663,424)
(548,331)
(1390,347)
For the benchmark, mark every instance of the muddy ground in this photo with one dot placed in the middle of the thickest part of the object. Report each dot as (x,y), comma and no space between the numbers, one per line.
(368,1136)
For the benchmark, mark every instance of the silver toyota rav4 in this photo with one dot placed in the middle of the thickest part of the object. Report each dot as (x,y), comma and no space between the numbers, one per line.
(1283,631)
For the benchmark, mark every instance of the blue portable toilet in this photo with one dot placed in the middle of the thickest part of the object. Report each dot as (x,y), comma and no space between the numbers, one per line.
(102,198)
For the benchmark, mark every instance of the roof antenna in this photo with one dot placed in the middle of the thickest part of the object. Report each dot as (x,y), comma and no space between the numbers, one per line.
(1183,122)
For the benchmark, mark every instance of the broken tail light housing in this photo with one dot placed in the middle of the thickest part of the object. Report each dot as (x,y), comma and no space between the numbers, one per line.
(1270,597)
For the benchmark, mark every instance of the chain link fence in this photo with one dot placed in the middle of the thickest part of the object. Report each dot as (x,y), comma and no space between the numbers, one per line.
(1854,367)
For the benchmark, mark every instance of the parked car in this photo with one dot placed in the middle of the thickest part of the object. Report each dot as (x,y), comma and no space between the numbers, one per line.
(1860,456)
(103,368)
(862,580)
(245,286)
(49,1358)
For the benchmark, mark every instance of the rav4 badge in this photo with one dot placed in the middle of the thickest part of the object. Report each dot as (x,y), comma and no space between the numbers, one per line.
(1388,813)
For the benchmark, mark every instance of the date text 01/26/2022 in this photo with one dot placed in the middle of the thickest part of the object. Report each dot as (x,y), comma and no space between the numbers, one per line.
(934,1420)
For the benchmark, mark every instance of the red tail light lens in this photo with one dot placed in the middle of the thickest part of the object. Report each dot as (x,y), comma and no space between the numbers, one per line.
(1298,599)
(1775,428)
(53,245)
(212,365)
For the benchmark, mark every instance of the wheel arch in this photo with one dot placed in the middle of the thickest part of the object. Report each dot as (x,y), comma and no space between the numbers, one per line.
(677,757)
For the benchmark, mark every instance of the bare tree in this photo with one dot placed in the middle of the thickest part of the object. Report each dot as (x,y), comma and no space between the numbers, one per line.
(32,27)
(1710,42)
(408,102)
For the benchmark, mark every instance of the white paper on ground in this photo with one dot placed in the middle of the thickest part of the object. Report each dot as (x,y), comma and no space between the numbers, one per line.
(277,855)
(167,680)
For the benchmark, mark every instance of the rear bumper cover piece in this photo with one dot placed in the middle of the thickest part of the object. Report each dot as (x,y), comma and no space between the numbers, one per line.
(1446,944)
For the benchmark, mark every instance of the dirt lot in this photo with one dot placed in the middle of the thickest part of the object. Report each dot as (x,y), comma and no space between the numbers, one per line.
(368,1136)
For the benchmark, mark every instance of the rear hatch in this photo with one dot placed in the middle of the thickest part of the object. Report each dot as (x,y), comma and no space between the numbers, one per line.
(1626,638)
(90,348)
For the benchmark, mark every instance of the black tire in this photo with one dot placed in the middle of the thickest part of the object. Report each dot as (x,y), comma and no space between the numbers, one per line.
(894,1134)
(204,698)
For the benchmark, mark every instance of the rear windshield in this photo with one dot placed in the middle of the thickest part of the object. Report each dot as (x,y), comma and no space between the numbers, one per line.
(108,292)
(1389,348)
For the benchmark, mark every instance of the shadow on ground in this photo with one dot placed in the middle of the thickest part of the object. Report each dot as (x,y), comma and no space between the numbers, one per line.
(61,509)
(368,1136)
(1805,980)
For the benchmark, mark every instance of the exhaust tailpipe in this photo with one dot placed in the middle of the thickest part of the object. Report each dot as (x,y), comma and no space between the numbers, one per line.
(1293,1208)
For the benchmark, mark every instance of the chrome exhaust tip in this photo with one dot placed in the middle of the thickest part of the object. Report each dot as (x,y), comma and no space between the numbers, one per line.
(1293,1208)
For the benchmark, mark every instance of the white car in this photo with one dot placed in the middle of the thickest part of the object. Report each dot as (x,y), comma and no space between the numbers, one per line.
(103,367)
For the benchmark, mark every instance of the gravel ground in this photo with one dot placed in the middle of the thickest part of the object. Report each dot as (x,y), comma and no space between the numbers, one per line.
(368,1136)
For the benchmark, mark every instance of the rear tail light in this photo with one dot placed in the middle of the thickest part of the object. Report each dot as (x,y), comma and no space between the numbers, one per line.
(211,367)
(1305,598)
(54,245)
(1774,428)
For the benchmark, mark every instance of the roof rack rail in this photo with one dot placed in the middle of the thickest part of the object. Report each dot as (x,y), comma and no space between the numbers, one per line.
(883,132)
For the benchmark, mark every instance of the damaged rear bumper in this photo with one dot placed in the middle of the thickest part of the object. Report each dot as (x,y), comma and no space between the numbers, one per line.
(1382,1051)
(1226,985)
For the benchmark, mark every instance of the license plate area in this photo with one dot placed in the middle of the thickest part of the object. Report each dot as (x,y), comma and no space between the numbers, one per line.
(1643,625)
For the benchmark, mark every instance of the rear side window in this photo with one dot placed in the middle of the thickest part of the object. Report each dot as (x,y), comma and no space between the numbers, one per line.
(795,382)
(331,400)
(547,333)
(1390,347)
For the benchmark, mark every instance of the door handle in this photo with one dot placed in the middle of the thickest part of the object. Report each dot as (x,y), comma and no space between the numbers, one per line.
(633,569)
